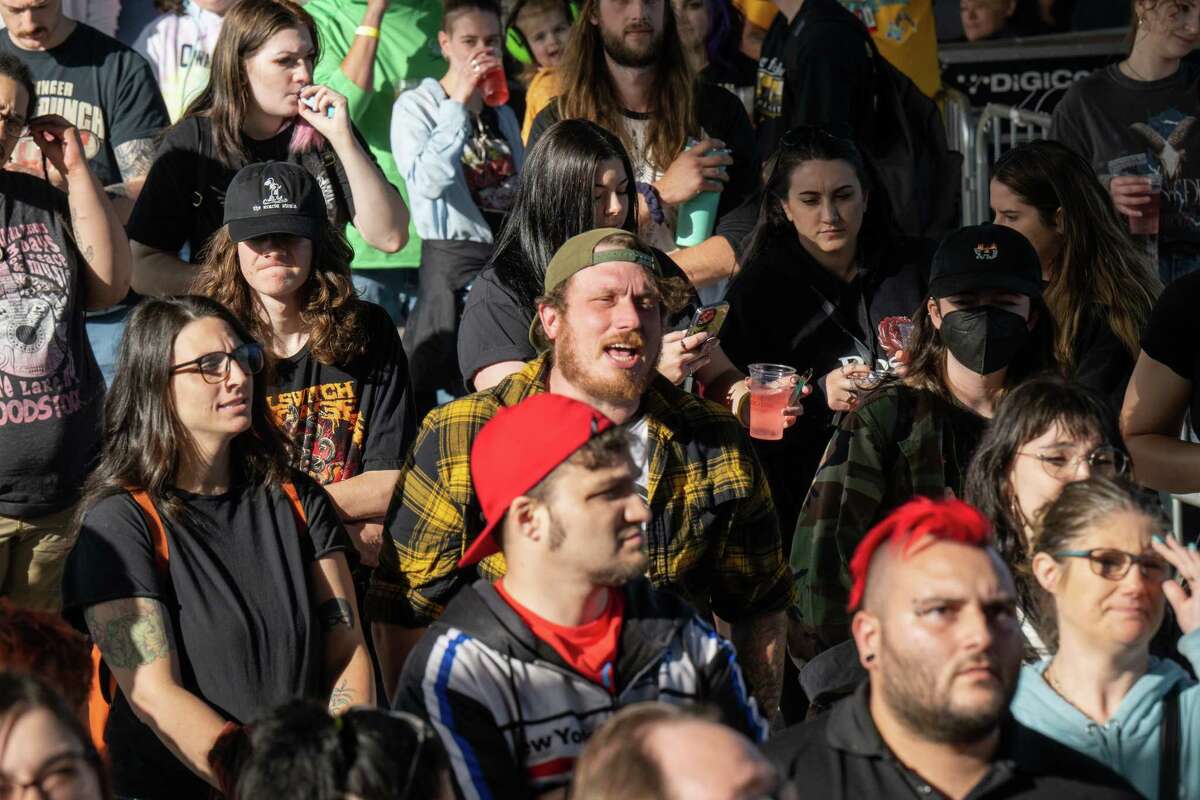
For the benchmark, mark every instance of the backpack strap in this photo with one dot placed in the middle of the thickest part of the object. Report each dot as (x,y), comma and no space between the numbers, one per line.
(1169,747)
(158,534)
(289,489)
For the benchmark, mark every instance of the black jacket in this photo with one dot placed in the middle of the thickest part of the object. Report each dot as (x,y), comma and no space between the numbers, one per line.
(514,716)
(843,756)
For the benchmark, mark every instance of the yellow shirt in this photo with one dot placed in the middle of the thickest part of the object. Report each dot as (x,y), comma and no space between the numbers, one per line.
(904,33)
(542,89)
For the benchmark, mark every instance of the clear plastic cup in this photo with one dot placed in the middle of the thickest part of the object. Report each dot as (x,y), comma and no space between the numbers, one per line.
(1147,223)
(770,388)
(494,87)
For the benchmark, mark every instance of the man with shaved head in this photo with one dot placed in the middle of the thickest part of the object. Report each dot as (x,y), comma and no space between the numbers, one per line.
(936,631)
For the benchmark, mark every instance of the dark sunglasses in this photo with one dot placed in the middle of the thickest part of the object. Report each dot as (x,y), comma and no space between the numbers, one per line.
(803,136)
(214,367)
(1113,565)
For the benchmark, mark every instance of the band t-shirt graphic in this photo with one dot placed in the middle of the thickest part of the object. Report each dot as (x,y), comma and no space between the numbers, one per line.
(343,420)
(101,87)
(50,386)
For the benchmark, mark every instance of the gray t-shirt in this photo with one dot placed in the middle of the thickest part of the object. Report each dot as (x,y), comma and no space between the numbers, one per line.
(1127,127)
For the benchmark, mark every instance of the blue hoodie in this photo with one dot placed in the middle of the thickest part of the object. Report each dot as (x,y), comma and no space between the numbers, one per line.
(1129,742)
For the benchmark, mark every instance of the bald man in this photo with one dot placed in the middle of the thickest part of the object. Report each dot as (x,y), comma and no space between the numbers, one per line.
(936,630)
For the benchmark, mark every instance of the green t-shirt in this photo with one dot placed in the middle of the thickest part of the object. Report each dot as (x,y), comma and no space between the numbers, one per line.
(407,52)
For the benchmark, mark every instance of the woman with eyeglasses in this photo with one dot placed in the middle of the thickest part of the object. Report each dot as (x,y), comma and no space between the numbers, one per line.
(1108,574)
(211,577)
(1047,432)
(827,283)
(44,747)
(299,750)
(339,383)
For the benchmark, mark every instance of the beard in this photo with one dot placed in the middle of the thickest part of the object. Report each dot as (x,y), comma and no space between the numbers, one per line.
(629,386)
(613,575)
(626,55)
(909,686)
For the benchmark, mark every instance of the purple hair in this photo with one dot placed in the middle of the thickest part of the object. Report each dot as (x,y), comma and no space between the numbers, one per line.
(724,33)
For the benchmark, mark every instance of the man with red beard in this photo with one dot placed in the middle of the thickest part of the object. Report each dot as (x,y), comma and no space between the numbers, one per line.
(713,538)
(937,633)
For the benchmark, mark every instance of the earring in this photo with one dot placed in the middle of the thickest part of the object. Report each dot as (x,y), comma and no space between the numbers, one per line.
(869,657)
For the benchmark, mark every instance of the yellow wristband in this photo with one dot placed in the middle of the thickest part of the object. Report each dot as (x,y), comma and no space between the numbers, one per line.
(367,30)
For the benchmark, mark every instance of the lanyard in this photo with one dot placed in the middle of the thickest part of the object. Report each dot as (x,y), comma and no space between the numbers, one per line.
(864,350)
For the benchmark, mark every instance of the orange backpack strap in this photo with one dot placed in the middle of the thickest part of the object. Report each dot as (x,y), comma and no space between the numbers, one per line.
(104,685)
(289,489)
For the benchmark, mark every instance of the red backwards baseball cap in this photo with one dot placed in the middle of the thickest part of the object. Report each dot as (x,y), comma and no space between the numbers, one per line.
(517,448)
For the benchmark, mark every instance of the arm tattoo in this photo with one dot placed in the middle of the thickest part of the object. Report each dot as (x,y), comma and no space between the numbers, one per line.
(335,612)
(134,158)
(134,636)
(341,698)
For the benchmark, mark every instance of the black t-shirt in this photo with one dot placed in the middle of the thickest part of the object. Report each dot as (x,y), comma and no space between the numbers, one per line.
(495,321)
(777,315)
(183,200)
(721,116)
(240,603)
(815,70)
(51,391)
(1102,361)
(99,85)
(1172,336)
(346,419)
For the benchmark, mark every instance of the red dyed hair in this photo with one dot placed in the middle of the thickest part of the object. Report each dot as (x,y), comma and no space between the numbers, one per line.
(42,644)
(947,520)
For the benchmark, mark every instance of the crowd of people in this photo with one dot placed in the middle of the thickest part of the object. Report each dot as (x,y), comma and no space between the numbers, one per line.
(591,399)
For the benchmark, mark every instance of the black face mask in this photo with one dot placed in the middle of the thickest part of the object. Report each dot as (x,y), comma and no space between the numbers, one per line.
(984,339)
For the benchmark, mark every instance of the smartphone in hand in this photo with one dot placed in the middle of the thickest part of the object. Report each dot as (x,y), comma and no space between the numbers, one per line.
(708,319)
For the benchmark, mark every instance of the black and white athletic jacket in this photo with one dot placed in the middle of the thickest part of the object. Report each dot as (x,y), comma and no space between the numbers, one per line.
(514,716)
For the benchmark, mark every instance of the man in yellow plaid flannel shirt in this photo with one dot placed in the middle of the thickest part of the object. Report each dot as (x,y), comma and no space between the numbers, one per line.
(714,537)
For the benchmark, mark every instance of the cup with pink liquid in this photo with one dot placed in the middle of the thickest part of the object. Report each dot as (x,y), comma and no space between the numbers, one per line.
(1147,223)
(770,387)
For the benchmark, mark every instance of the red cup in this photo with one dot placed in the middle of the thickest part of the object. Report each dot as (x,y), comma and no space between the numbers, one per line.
(494,87)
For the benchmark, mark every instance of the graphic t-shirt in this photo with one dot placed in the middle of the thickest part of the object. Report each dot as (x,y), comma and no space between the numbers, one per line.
(101,87)
(179,48)
(904,32)
(1172,337)
(51,392)
(489,169)
(589,649)
(1128,127)
(240,604)
(346,419)
(183,199)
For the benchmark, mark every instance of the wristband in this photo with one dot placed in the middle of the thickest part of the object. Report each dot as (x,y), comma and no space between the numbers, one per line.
(653,202)
(367,30)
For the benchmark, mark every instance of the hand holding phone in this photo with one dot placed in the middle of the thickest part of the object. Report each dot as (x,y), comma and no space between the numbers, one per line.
(709,319)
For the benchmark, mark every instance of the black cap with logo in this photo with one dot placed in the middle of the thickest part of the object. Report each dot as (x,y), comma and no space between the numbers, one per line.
(985,257)
(273,197)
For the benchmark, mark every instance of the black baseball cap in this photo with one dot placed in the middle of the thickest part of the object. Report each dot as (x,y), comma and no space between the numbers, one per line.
(985,257)
(273,197)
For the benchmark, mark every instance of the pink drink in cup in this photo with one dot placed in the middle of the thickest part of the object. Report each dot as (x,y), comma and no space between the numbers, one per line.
(494,87)
(770,388)
(1147,223)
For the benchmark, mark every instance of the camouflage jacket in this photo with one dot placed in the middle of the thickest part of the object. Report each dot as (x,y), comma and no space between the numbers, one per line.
(713,540)
(900,443)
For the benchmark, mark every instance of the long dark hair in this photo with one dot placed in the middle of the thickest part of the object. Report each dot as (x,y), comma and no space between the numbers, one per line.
(1026,413)
(554,202)
(798,147)
(300,750)
(144,439)
(724,39)
(1099,264)
(588,91)
(246,28)
(20,694)
(330,310)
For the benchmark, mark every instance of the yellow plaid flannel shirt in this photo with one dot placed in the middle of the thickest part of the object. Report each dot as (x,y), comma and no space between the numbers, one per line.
(714,537)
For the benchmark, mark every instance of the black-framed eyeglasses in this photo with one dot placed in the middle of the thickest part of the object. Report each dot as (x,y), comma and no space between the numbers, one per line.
(1106,460)
(58,777)
(13,126)
(1113,564)
(214,367)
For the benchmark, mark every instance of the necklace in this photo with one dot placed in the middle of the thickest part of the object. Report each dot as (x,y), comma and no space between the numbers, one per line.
(1058,689)
(1133,73)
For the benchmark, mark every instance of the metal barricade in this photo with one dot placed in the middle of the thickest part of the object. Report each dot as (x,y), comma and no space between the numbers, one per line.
(998,129)
(959,119)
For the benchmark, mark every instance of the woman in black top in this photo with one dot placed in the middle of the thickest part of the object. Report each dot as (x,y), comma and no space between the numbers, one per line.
(826,283)
(1099,286)
(339,386)
(251,604)
(254,110)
